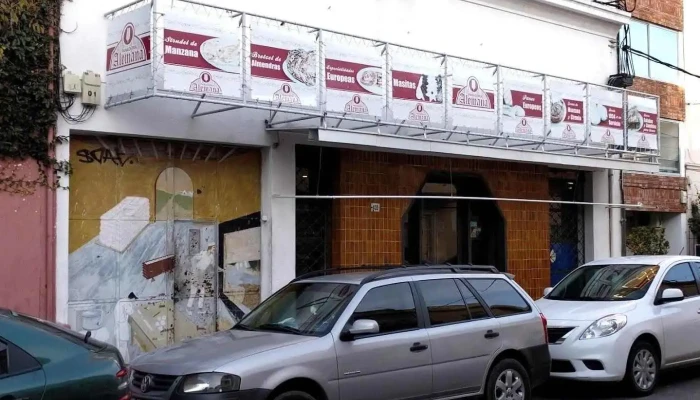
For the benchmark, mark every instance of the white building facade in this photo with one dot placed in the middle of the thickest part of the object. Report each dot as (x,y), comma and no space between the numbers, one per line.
(237,144)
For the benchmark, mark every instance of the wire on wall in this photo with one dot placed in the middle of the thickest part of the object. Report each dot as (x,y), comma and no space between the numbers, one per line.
(619,4)
(628,49)
(65,101)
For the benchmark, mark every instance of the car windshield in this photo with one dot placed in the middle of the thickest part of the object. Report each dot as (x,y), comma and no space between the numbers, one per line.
(615,282)
(310,308)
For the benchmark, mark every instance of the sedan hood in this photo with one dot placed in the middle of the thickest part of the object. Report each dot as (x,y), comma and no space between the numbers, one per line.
(207,353)
(589,311)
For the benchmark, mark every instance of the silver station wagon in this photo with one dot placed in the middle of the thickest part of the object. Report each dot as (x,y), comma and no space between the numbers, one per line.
(429,332)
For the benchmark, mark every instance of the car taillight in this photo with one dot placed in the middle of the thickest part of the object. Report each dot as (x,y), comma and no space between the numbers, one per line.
(544,326)
(122,373)
(126,397)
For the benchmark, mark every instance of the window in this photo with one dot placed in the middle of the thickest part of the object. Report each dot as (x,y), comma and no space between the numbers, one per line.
(392,306)
(476,310)
(610,282)
(500,297)
(670,157)
(680,277)
(301,308)
(658,42)
(444,302)
(14,361)
(696,269)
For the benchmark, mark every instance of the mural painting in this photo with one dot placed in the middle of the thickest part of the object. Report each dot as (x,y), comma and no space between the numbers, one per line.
(164,240)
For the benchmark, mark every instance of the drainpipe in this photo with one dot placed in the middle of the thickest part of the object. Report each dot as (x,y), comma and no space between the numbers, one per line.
(610,213)
(623,221)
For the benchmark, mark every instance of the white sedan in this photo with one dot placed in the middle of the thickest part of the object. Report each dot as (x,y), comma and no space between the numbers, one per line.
(625,319)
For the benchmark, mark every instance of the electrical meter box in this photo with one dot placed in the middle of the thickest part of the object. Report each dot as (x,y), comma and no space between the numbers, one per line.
(92,85)
(71,83)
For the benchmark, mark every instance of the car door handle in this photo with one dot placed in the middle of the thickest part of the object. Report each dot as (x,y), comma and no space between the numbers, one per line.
(417,347)
(491,334)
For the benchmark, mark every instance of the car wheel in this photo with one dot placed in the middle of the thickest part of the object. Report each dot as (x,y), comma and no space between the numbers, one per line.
(642,369)
(508,380)
(294,395)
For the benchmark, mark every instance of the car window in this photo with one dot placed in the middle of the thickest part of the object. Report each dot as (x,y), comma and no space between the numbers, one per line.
(607,282)
(392,306)
(476,309)
(501,298)
(680,277)
(696,270)
(15,361)
(444,301)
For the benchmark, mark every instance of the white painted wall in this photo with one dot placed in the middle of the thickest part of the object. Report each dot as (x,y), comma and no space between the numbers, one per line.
(538,35)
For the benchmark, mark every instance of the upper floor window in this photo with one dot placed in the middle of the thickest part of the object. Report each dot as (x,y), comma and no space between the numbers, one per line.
(658,42)
(670,155)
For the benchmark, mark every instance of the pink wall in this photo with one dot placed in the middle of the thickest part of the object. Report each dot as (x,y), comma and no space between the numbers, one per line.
(27,243)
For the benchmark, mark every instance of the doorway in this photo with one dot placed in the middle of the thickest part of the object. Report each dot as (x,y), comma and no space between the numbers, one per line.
(439,231)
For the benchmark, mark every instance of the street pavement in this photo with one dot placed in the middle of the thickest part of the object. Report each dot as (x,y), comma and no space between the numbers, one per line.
(680,384)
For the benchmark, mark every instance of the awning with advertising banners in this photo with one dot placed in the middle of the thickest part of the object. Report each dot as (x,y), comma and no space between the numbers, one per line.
(313,79)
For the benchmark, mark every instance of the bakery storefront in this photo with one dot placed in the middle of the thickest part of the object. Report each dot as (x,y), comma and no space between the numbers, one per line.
(380,154)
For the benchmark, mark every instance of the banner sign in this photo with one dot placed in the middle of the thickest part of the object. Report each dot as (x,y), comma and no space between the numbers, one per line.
(523,108)
(128,68)
(354,78)
(283,67)
(202,56)
(567,114)
(417,86)
(605,116)
(473,96)
(642,123)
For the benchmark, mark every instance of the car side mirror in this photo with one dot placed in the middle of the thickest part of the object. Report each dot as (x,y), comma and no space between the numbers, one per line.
(672,296)
(359,328)
(548,291)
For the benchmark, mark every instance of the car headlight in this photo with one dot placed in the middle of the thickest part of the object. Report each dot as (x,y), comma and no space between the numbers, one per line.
(605,326)
(211,383)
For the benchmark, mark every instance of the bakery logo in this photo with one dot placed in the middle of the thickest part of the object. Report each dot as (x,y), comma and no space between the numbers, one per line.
(473,95)
(205,84)
(608,138)
(356,106)
(523,127)
(286,95)
(129,51)
(419,114)
(643,143)
(568,133)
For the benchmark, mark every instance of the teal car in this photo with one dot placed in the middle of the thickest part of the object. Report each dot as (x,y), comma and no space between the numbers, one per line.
(43,360)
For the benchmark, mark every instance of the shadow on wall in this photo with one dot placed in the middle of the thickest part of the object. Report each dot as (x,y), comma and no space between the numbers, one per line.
(164,240)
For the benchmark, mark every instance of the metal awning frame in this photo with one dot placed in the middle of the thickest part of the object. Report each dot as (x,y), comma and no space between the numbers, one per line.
(285,118)
(458,198)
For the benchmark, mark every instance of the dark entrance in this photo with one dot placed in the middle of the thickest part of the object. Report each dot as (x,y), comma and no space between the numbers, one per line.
(316,168)
(439,231)
(566,230)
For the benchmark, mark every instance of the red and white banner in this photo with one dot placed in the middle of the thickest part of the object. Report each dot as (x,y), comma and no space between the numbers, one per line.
(642,123)
(473,96)
(523,108)
(354,77)
(202,56)
(567,113)
(605,116)
(418,87)
(128,64)
(283,67)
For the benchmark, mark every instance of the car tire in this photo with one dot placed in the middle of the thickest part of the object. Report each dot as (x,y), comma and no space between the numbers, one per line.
(642,372)
(508,377)
(294,395)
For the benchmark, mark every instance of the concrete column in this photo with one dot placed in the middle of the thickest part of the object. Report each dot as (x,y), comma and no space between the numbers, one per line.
(278,246)
(616,234)
(62,222)
(597,219)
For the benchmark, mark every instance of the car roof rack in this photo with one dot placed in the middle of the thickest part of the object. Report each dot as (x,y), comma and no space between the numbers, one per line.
(334,271)
(431,269)
(393,271)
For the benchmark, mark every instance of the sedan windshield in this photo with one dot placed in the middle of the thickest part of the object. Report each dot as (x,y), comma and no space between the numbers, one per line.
(301,309)
(614,282)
